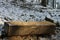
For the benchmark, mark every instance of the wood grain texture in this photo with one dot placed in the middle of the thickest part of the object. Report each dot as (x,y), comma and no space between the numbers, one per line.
(19,23)
(30,28)
(22,38)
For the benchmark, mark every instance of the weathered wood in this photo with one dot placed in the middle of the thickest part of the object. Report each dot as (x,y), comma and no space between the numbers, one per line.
(30,28)
(22,38)
(15,38)
(19,23)
(29,37)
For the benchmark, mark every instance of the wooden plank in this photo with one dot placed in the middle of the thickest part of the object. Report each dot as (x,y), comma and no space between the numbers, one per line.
(29,37)
(19,23)
(22,38)
(15,38)
(30,28)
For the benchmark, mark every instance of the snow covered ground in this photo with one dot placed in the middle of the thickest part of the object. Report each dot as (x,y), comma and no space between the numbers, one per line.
(23,14)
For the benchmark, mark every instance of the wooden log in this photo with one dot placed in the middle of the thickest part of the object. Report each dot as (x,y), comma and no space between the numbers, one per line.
(42,23)
(30,28)
(29,37)
(22,38)
(15,38)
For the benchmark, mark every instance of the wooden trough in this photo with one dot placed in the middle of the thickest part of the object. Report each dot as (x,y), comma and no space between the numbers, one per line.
(17,29)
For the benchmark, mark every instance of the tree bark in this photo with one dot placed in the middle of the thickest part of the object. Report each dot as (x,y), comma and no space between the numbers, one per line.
(44,3)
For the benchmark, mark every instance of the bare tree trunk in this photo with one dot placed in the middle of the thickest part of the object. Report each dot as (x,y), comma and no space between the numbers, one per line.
(44,2)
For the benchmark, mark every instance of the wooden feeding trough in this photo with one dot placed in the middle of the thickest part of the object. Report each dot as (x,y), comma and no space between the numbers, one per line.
(17,29)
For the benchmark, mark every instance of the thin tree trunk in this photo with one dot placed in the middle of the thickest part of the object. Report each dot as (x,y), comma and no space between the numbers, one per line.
(44,2)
